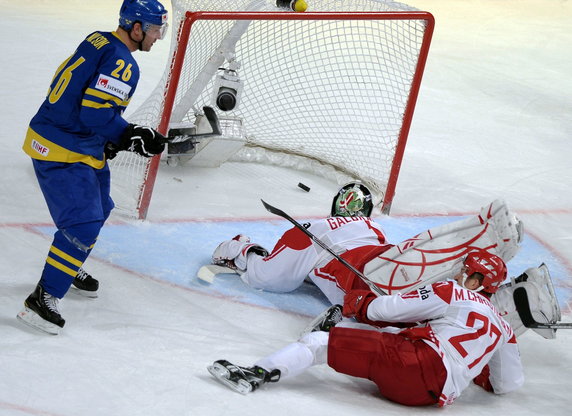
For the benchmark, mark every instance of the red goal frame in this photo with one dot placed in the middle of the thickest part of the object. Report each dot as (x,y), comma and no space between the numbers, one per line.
(179,56)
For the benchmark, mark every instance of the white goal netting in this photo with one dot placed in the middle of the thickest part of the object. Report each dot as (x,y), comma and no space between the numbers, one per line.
(331,94)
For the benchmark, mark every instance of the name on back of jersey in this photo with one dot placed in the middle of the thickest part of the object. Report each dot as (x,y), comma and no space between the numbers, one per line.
(337,222)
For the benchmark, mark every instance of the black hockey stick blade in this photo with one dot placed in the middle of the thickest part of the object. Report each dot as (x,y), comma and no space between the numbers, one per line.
(178,135)
(211,116)
(280,213)
(523,308)
(276,211)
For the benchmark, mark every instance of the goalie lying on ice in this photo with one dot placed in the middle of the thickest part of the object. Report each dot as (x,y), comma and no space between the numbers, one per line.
(431,256)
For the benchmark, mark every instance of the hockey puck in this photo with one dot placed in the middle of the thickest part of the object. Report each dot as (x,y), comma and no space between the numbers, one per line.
(304,187)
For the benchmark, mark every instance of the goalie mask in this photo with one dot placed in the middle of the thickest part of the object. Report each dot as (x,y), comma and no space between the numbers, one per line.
(352,200)
(490,266)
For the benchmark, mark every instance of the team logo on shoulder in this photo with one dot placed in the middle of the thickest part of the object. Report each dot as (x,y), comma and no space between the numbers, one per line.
(113,86)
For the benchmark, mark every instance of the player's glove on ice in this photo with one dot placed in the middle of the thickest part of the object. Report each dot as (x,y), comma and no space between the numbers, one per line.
(483,379)
(142,140)
(233,253)
(356,303)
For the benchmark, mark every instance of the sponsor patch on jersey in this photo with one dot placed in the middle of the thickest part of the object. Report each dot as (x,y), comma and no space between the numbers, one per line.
(40,148)
(113,86)
(424,292)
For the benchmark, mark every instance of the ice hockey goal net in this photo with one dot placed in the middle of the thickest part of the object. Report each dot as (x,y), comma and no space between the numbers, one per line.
(332,88)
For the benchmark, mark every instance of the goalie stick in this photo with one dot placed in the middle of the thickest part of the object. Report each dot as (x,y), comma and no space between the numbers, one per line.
(525,314)
(276,211)
(184,134)
(208,272)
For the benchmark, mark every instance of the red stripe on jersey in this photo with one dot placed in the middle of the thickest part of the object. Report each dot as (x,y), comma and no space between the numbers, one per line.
(325,276)
(410,295)
(444,290)
(277,250)
(378,232)
(295,239)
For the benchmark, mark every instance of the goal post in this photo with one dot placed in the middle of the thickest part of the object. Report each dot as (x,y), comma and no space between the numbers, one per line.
(335,88)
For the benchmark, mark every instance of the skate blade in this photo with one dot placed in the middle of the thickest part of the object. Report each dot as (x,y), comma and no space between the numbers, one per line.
(316,322)
(312,325)
(222,374)
(84,293)
(33,320)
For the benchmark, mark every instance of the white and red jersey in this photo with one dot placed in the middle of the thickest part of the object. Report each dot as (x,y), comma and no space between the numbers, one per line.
(295,255)
(463,327)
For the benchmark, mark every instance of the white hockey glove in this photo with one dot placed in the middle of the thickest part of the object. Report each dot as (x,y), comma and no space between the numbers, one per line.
(541,297)
(233,253)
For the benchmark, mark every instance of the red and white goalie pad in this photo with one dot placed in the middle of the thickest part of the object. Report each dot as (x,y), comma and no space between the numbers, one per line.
(437,254)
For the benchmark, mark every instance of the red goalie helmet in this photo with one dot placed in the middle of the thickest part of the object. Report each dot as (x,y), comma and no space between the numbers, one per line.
(491,266)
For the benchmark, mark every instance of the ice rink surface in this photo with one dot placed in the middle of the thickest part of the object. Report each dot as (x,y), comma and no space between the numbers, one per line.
(493,120)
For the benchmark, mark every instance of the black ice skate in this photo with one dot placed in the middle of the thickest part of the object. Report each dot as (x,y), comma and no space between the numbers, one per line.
(84,284)
(242,379)
(41,312)
(325,321)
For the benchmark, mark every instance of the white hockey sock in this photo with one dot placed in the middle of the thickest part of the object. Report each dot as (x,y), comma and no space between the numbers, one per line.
(295,358)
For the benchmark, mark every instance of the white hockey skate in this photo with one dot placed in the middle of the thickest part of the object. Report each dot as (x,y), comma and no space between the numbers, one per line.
(325,321)
(242,379)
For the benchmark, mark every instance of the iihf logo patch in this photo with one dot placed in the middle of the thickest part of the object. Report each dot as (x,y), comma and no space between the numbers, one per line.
(41,149)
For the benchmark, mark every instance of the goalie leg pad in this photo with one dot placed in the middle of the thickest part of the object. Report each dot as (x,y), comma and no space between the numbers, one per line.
(437,254)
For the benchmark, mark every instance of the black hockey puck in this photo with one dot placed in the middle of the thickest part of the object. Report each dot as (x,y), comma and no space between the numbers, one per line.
(304,187)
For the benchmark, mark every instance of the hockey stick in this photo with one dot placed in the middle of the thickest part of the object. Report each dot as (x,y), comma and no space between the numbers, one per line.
(208,272)
(525,314)
(179,135)
(280,213)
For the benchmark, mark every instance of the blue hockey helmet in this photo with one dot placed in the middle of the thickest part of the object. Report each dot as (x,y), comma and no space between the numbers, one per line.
(146,12)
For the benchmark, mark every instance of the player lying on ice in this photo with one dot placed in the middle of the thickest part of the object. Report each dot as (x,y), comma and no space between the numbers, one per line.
(458,336)
(428,257)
